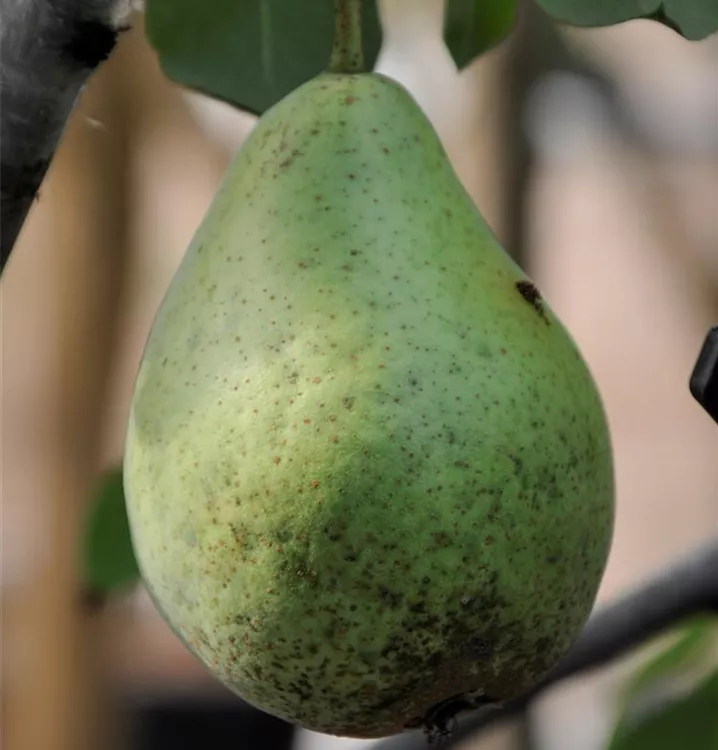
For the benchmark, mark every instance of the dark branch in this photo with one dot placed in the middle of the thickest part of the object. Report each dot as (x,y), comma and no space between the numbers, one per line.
(687,588)
(48,50)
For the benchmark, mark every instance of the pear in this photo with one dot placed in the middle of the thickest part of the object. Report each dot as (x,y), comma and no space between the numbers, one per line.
(368,473)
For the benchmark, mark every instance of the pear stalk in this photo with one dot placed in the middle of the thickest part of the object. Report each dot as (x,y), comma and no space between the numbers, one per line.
(347,53)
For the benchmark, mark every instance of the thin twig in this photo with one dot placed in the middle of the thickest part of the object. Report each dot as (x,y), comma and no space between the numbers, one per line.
(688,587)
(48,50)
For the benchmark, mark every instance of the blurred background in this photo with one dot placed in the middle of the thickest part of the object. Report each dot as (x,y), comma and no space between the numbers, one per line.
(594,156)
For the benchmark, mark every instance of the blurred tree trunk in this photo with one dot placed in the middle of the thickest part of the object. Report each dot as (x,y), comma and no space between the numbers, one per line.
(61,296)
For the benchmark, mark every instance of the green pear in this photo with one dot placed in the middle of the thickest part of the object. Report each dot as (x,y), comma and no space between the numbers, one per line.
(368,474)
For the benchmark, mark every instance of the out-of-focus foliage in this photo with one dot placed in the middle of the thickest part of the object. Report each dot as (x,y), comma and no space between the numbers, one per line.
(690,722)
(250,53)
(693,645)
(473,26)
(659,711)
(694,19)
(108,556)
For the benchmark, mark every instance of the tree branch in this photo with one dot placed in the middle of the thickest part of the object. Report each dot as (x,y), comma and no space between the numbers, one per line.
(688,587)
(48,50)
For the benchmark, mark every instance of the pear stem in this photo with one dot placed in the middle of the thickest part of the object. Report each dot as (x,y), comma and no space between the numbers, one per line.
(347,53)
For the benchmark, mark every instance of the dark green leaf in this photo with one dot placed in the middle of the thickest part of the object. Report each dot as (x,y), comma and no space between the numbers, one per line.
(694,19)
(598,12)
(693,645)
(108,557)
(473,26)
(691,723)
(250,53)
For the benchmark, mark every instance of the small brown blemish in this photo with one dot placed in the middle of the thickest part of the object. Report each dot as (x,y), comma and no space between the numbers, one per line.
(531,294)
(349,101)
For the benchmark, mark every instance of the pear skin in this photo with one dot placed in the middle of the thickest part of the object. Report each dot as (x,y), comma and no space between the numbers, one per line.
(367,470)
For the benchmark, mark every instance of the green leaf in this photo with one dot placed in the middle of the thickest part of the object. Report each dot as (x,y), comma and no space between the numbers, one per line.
(108,556)
(693,19)
(696,19)
(598,12)
(250,53)
(473,26)
(693,645)
(691,723)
